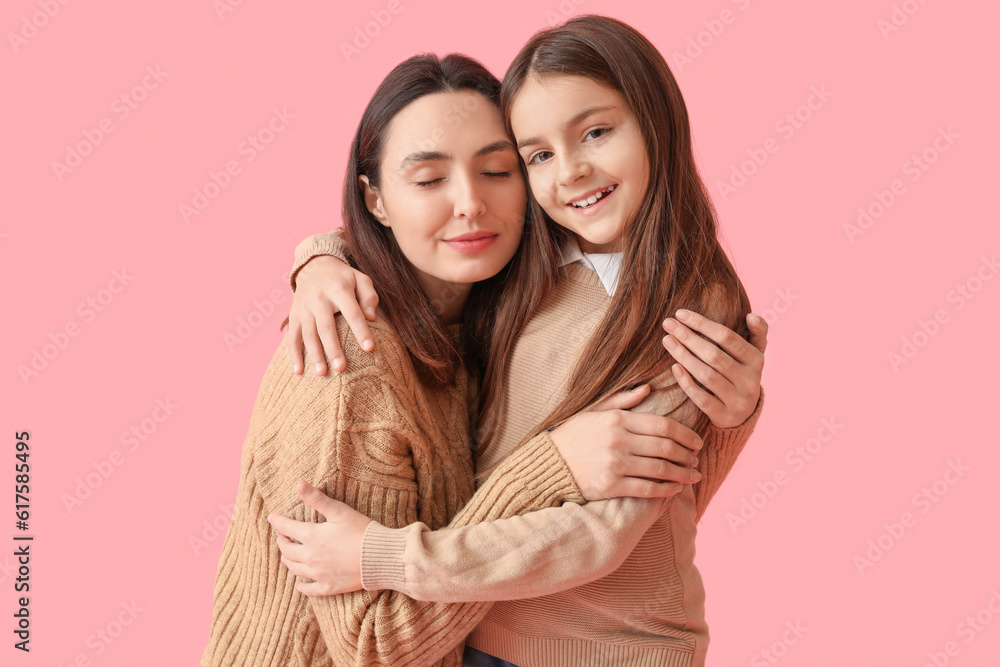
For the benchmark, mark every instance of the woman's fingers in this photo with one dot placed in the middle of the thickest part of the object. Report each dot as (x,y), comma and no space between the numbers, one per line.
(728,340)
(645,488)
(664,428)
(319,501)
(758,331)
(623,400)
(314,589)
(716,380)
(705,401)
(660,469)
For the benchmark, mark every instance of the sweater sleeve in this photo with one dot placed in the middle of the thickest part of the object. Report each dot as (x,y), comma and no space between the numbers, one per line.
(716,459)
(331,243)
(539,553)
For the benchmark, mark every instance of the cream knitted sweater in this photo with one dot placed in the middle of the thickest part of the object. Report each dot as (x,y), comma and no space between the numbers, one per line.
(394,449)
(603,583)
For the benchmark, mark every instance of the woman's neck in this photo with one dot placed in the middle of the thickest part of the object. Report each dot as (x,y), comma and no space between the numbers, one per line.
(447,298)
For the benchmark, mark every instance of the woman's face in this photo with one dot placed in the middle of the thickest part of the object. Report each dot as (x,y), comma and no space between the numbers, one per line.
(452,191)
(585,156)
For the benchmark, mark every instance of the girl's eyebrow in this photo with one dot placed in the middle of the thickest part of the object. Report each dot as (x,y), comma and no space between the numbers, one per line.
(498,146)
(575,120)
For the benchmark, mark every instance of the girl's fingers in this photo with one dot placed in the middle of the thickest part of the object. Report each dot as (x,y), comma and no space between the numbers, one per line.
(314,348)
(293,343)
(326,329)
(728,340)
(720,383)
(705,401)
(289,528)
(367,297)
(296,568)
(319,501)
(314,589)
(355,319)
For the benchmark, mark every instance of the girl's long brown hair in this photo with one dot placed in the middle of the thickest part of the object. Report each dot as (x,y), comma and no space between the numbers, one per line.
(373,247)
(672,256)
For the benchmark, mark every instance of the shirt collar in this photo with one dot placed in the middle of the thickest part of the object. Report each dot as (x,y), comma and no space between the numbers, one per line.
(608,265)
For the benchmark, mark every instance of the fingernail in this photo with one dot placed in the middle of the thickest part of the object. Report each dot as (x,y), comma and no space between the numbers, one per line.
(670,324)
(696,476)
(319,367)
(683,315)
(367,345)
(670,341)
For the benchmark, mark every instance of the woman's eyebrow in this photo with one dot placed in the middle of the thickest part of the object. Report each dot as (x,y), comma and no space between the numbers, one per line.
(496,147)
(423,156)
(575,120)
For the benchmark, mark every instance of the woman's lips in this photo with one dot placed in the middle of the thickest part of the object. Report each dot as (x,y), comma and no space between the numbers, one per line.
(472,242)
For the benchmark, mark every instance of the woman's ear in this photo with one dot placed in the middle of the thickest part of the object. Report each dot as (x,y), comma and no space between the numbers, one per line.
(373,200)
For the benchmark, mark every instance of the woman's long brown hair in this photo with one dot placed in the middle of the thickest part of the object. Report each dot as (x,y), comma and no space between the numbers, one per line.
(672,256)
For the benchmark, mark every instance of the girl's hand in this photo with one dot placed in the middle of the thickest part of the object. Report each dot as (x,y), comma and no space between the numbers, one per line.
(730,370)
(328,553)
(325,286)
(613,452)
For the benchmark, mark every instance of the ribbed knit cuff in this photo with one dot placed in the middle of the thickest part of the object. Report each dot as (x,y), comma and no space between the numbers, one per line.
(319,244)
(533,477)
(382,563)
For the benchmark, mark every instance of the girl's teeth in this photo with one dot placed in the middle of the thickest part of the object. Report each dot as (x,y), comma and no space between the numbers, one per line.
(592,199)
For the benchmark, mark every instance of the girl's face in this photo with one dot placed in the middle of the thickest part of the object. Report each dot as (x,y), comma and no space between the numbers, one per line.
(451,191)
(585,156)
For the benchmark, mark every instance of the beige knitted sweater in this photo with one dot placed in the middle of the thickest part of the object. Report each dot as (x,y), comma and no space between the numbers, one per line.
(394,449)
(604,583)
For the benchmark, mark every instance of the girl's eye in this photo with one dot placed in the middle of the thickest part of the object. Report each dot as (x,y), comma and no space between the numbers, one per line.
(539,157)
(427,184)
(597,133)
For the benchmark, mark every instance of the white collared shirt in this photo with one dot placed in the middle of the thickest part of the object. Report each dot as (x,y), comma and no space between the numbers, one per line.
(608,265)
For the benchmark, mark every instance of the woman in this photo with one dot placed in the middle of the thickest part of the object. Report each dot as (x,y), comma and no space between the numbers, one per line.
(390,436)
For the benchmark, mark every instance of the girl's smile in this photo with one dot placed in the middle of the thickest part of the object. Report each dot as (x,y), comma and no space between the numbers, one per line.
(586,160)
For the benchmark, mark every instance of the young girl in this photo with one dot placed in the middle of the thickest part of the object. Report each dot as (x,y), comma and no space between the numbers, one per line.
(603,133)
(390,436)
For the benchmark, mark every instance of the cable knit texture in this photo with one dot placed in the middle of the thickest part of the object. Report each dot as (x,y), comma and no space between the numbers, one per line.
(378,439)
(604,583)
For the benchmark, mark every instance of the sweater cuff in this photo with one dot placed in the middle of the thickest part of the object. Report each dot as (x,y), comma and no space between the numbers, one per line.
(382,563)
(740,431)
(319,244)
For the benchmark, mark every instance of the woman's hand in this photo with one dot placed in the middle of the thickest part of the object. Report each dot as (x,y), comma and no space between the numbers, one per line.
(730,369)
(325,286)
(613,452)
(328,553)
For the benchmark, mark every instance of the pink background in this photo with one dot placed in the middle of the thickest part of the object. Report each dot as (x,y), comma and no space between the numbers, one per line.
(839,301)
